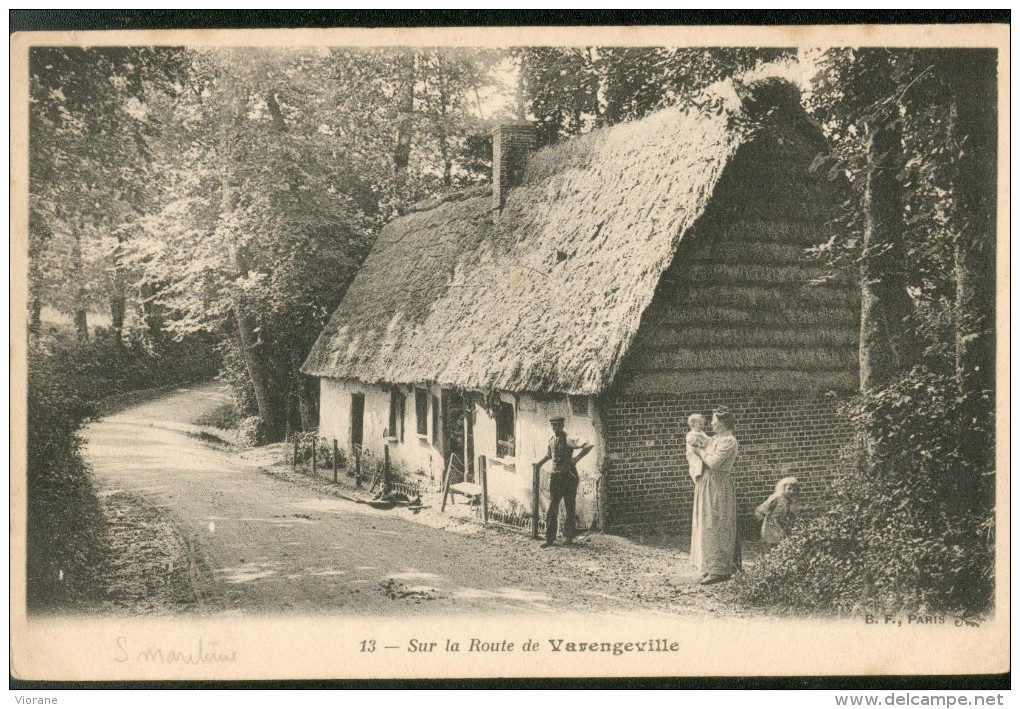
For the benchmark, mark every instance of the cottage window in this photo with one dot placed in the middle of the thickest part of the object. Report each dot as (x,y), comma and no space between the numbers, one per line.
(421,411)
(505,443)
(579,405)
(397,402)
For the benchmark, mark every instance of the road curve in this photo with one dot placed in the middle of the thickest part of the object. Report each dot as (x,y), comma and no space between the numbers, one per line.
(266,545)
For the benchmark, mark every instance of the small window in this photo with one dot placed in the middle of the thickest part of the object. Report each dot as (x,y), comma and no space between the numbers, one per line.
(505,443)
(397,401)
(579,405)
(421,411)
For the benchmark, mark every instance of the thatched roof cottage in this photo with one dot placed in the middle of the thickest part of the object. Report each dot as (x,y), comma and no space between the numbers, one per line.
(623,280)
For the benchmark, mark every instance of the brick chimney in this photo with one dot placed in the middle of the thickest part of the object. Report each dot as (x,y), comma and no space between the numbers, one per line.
(511,143)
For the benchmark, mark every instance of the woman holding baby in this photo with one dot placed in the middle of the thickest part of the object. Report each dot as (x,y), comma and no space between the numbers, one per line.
(715,547)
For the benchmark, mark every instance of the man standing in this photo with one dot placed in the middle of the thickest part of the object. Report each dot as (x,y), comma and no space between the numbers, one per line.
(563,482)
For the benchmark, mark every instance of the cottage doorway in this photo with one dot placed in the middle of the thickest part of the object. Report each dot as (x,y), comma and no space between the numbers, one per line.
(458,435)
(357,420)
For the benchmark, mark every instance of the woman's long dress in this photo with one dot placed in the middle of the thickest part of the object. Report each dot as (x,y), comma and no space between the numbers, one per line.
(715,548)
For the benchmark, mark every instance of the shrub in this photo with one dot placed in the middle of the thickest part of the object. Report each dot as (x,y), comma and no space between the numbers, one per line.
(875,550)
(323,449)
(903,534)
(100,367)
(223,417)
(251,431)
(65,528)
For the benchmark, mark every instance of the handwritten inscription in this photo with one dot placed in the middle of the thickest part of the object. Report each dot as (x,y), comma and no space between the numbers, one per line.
(203,652)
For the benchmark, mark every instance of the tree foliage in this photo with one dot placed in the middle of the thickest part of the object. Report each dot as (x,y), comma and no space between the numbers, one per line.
(87,170)
(911,525)
(571,90)
(236,191)
(933,163)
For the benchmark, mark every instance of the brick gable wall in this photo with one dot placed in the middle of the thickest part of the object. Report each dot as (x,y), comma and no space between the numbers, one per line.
(647,484)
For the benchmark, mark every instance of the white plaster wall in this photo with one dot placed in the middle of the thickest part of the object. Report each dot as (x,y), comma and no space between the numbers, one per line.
(508,479)
(512,479)
(335,411)
(412,455)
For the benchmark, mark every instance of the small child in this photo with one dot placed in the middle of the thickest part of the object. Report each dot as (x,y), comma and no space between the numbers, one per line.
(777,512)
(696,438)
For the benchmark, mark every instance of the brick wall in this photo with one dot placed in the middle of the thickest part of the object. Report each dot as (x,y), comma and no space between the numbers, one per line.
(511,145)
(648,486)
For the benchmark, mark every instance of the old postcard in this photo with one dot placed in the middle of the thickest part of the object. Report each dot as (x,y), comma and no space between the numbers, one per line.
(510,352)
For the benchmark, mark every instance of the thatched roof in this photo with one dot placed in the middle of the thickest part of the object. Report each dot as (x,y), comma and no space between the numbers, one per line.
(550,296)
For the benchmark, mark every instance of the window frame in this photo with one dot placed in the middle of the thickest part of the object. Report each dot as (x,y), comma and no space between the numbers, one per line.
(502,453)
(579,405)
(398,404)
(421,412)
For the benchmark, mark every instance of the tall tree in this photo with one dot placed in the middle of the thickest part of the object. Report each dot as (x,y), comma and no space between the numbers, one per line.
(88,171)
(912,131)
(972,79)
(265,216)
(573,90)
(562,89)
(450,114)
(404,100)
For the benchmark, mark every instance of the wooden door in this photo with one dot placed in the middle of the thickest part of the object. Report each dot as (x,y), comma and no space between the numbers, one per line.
(457,422)
(357,420)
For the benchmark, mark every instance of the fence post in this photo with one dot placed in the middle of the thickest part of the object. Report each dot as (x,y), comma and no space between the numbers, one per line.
(467,442)
(386,469)
(294,465)
(336,460)
(315,444)
(357,467)
(483,474)
(446,483)
(536,480)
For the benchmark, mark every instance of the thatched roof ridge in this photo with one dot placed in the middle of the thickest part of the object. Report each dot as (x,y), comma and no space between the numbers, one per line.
(426,205)
(550,296)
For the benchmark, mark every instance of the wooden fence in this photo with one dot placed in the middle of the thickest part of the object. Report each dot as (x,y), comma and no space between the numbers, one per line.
(323,458)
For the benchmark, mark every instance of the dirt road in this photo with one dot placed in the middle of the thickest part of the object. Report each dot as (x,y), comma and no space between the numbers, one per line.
(189,511)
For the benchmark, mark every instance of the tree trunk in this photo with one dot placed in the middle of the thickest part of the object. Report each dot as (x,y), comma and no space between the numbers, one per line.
(521,112)
(242,320)
(39,237)
(885,303)
(117,298)
(35,315)
(973,73)
(248,343)
(885,346)
(152,316)
(293,178)
(81,322)
(443,134)
(405,127)
(306,402)
(117,306)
